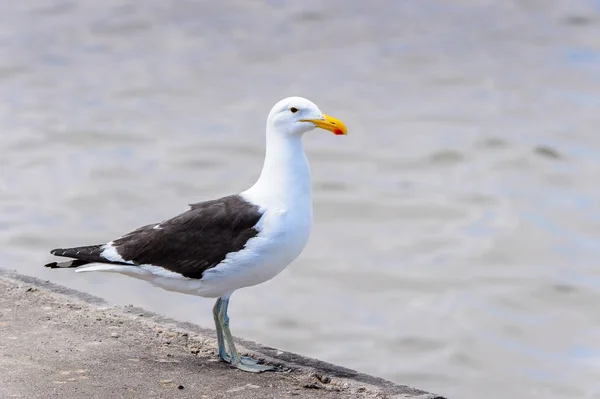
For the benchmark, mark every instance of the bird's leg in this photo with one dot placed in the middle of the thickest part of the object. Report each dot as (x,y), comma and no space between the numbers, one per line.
(216,312)
(241,362)
(220,316)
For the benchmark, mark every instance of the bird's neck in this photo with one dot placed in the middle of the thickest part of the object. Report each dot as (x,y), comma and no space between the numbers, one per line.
(285,177)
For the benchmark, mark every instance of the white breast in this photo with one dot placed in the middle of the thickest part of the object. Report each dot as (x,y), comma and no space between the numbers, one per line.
(283,234)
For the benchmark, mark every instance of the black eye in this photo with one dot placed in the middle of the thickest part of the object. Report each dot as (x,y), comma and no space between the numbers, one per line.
(294,110)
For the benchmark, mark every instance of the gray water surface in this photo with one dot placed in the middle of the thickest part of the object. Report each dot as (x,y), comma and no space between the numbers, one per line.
(457,227)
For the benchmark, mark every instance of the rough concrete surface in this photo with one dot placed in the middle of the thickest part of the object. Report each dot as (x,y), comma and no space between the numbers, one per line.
(57,342)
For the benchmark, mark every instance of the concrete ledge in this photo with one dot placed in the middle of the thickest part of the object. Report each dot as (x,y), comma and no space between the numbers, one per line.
(58,342)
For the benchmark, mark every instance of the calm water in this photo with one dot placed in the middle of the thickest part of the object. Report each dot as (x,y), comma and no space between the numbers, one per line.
(457,229)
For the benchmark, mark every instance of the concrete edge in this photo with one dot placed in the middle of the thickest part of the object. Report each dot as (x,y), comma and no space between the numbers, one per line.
(272,355)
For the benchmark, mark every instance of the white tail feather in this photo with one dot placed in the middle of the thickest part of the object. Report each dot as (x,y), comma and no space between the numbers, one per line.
(133,271)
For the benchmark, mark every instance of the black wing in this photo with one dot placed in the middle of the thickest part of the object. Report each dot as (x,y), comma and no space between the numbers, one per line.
(188,244)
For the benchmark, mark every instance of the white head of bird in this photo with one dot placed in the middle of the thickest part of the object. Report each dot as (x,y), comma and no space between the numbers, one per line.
(294,116)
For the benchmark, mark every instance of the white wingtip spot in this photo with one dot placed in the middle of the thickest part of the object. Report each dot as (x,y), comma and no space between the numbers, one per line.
(110,253)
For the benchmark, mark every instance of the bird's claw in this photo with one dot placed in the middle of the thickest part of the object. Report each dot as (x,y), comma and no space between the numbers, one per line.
(246,363)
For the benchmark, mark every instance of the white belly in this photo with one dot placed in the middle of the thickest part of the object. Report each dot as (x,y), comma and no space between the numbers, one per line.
(282,237)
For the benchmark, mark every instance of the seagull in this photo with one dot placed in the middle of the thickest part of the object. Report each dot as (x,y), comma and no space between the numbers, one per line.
(219,246)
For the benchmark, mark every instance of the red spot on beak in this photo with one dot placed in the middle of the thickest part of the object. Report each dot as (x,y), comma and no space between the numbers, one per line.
(338,132)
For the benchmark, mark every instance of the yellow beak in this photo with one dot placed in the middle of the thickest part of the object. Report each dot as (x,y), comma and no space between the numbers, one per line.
(330,123)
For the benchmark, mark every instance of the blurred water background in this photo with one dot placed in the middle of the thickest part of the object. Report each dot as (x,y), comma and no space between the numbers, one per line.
(457,227)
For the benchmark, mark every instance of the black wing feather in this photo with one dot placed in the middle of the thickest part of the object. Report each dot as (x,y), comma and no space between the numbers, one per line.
(189,243)
(82,256)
